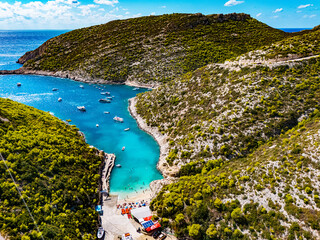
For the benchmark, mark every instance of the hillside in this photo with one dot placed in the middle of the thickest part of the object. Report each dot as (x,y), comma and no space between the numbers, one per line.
(150,49)
(305,44)
(56,172)
(245,138)
(271,194)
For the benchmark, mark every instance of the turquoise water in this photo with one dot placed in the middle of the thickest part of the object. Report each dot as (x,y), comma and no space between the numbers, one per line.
(141,153)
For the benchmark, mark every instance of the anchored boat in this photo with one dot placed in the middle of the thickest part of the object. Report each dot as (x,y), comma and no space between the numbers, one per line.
(81,108)
(118,119)
(102,100)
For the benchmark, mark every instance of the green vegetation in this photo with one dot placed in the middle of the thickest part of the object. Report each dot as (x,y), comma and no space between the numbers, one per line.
(267,195)
(246,141)
(303,45)
(56,172)
(151,49)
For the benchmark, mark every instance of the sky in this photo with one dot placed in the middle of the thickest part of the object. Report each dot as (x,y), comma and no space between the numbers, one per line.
(72,14)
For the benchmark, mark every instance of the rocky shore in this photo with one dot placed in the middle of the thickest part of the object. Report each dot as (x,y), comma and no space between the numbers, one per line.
(169,173)
(81,77)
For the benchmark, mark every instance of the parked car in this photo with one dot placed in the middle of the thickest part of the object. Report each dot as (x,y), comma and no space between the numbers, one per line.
(162,236)
(156,234)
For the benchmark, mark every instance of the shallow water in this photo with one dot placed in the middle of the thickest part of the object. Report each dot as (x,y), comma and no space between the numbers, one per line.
(141,153)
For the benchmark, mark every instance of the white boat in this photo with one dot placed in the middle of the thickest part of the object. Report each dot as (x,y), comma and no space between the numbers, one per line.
(118,165)
(118,119)
(126,129)
(54,89)
(106,112)
(105,93)
(100,233)
(59,99)
(102,100)
(110,98)
(81,108)
(135,89)
(123,148)
(81,86)
(19,84)
(97,125)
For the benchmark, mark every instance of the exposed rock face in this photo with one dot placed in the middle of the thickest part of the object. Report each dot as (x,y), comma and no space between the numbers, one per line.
(33,54)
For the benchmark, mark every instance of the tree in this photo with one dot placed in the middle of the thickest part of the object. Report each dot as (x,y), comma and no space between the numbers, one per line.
(194,231)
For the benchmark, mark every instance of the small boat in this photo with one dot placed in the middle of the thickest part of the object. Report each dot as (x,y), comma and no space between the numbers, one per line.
(105,93)
(102,100)
(123,148)
(81,86)
(81,108)
(100,233)
(118,119)
(126,129)
(97,125)
(54,89)
(106,112)
(110,98)
(59,99)
(135,89)
(19,84)
(118,165)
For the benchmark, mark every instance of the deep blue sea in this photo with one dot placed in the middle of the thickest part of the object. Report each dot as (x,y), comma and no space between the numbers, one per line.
(141,153)
(291,30)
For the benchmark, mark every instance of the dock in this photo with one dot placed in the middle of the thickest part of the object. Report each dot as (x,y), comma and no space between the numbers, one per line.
(109,164)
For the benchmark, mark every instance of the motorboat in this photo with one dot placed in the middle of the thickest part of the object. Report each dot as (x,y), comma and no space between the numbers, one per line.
(126,129)
(97,125)
(54,89)
(81,86)
(118,119)
(81,108)
(118,165)
(123,148)
(100,233)
(59,99)
(102,100)
(105,93)
(19,84)
(135,89)
(106,112)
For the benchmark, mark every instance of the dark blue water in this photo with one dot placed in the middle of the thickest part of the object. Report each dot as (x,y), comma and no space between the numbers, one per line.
(291,30)
(141,153)
(13,44)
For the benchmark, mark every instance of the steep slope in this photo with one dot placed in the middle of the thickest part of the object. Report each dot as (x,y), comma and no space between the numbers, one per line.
(221,113)
(303,45)
(271,194)
(243,173)
(150,49)
(56,172)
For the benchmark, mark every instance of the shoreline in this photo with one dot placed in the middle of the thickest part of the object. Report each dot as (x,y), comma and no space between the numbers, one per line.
(162,164)
(75,77)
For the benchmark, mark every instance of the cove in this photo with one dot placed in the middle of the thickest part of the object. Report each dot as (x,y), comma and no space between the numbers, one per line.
(138,160)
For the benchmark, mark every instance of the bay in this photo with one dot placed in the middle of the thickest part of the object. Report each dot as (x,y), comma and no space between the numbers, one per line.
(138,160)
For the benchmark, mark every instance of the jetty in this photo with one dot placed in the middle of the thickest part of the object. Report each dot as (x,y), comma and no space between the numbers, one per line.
(109,164)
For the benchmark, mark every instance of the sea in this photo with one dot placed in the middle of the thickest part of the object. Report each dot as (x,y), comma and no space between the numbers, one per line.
(141,152)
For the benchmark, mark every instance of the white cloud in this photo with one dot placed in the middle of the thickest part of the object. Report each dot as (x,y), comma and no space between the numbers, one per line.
(107,2)
(278,10)
(259,14)
(305,6)
(233,3)
(54,14)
